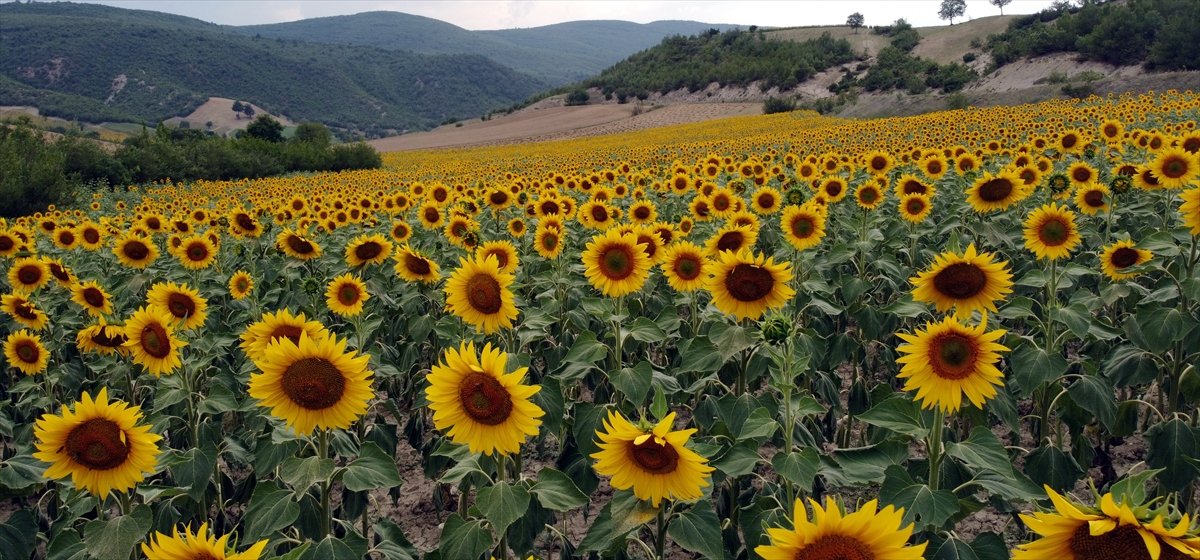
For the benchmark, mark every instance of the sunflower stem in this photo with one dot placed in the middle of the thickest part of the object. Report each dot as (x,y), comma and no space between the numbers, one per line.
(323,453)
(501,478)
(660,537)
(934,445)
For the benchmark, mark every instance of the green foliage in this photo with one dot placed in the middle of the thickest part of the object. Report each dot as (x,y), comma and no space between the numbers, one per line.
(265,128)
(897,69)
(778,105)
(733,58)
(32,172)
(578,96)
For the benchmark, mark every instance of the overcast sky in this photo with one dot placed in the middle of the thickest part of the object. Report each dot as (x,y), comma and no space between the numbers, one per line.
(504,14)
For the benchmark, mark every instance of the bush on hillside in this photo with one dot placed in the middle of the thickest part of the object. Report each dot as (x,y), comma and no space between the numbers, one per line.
(32,172)
(778,105)
(577,97)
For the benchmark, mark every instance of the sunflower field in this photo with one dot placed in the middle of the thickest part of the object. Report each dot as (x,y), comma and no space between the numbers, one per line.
(963,335)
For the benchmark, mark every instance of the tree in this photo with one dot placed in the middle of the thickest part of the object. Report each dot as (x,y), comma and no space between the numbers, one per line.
(312,133)
(1000,4)
(248,110)
(237,109)
(856,20)
(265,128)
(951,9)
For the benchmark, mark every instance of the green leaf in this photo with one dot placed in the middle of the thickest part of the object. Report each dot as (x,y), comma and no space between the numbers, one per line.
(296,553)
(645,330)
(1033,366)
(905,307)
(1133,487)
(620,516)
(982,451)
(1050,466)
(194,469)
(18,535)
(393,544)
(860,465)
(634,382)
(758,425)
(698,530)
(350,547)
(739,459)
(1129,365)
(20,472)
(463,539)
(301,474)
(658,405)
(502,503)
(1095,395)
(729,339)
(899,414)
(1155,328)
(556,491)
(117,537)
(699,354)
(586,350)
(1171,444)
(931,507)
(953,549)
(65,546)
(989,546)
(271,508)
(373,468)
(1076,317)
(798,467)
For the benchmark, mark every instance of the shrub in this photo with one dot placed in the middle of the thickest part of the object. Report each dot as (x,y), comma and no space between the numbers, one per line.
(778,105)
(32,172)
(577,97)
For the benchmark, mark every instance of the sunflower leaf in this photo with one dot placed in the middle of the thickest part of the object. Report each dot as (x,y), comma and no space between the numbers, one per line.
(931,507)
(463,539)
(798,467)
(634,382)
(1171,444)
(271,508)
(899,414)
(698,530)
(350,547)
(372,469)
(116,537)
(18,535)
(502,503)
(556,491)
(1049,465)
(301,474)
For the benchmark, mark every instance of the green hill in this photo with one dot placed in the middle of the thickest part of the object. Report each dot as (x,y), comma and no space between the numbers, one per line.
(93,62)
(557,54)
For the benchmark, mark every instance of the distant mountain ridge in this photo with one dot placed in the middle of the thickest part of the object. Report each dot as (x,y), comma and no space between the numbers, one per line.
(557,54)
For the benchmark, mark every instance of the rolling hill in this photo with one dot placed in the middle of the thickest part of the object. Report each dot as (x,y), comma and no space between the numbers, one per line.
(97,63)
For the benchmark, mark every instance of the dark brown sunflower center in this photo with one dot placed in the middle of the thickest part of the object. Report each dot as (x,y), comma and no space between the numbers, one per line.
(833,188)
(484,399)
(1028,176)
(648,244)
(60,272)
(731,241)
(616,262)
(241,284)
(245,222)
(348,294)
(483,292)
(154,223)
(1110,130)
(7,243)
(299,245)
(1093,198)
(66,237)
(1124,257)
(181,306)
(952,356)
(197,252)
(1191,145)
(1054,232)
(878,163)
(93,296)
(1081,174)
(766,200)
(29,275)
(114,340)
(549,208)
(136,250)
(960,280)
(1175,167)
(934,167)
(996,190)
(369,250)
(290,332)
(868,195)
(721,203)
(836,547)
(599,213)
(498,198)
(914,187)
(28,351)
(803,227)
(1069,141)
(431,215)
(654,457)
(1122,543)
(687,267)
(748,282)
(549,241)
(313,383)
(500,255)
(98,444)
(914,206)
(24,311)
(416,265)
(641,213)
(156,341)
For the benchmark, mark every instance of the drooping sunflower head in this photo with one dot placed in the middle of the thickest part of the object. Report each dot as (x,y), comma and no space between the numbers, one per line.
(656,462)
(967,282)
(241,284)
(867,534)
(991,193)
(479,403)
(746,286)
(1092,198)
(28,275)
(92,298)
(368,249)
(480,294)
(684,266)
(24,351)
(803,226)
(274,326)
(23,311)
(1121,255)
(346,294)
(313,384)
(615,263)
(948,360)
(150,338)
(412,266)
(98,443)
(1050,232)
(196,252)
(504,252)
(731,237)
(181,302)
(296,245)
(102,338)
(198,545)
(135,251)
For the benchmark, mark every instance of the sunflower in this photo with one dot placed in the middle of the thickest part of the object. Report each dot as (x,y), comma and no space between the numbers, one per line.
(65,238)
(196,252)
(135,251)
(103,339)
(99,444)
(1050,232)
(294,244)
(934,167)
(746,286)
(615,264)
(1114,531)
(401,231)
(184,304)
(25,352)
(1190,209)
(766,200)
(24,311)
(1175,168)
(368,249)
(517,228)
(28,275)
(240,284)
(868,533)
(151,340)
(656,463)
(991,193)
(10,244)
(345,295)
(313,384)
(1080,174)
(197,545)
(868,195)
(914,208)
(63,275)
(1092,198)
(731,237)
(803,226)
(92,298)
(505,253)
(1116,257)
(479,404)
(479,293)
(642,212)
(967,282)
(950,359)
(412,266)
(272,327)
(684,266)
(834,189)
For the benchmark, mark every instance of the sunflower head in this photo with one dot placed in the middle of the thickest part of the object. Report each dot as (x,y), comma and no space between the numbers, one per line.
(867,534)
(504,252)
(272,327)
(685,266)
(412,266)
(1121,255)
(196,252)
(345,295)
(92,298)
(314,384)
(135,251)
(803,226)
(948,360)
(745,285)
(28,275)
(1050,232)
(991,193)
(150,338)
(198,545)
(615,263)
(24,351)
(241,284)
(965,282)
(368,249)
(181,302)
(654,461)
